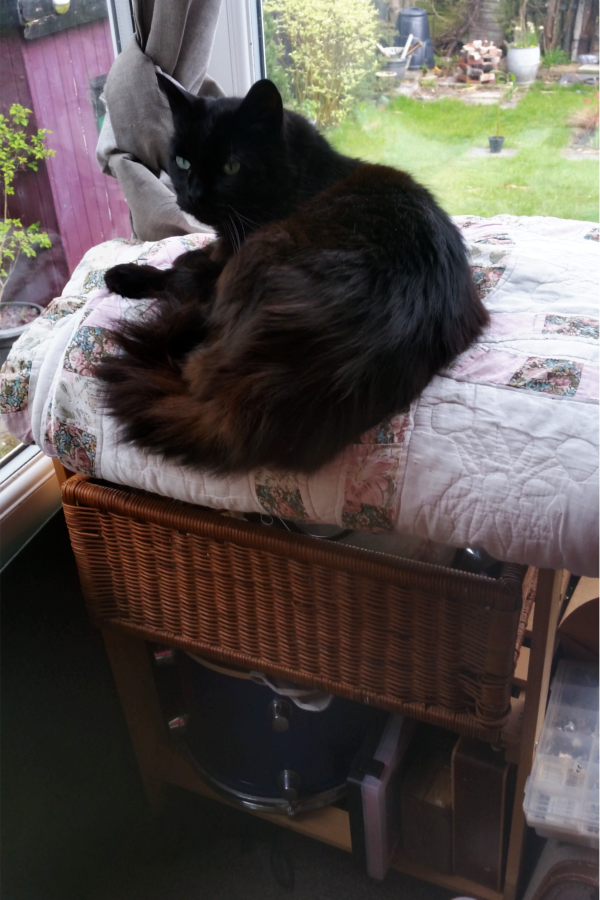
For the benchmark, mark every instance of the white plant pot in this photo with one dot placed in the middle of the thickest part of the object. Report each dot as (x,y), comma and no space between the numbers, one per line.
(524,63)
(9,335)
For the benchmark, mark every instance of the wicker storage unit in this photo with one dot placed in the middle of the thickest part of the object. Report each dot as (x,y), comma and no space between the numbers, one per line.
(430,642)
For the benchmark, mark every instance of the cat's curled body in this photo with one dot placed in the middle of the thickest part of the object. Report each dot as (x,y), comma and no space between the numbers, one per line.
(336,290)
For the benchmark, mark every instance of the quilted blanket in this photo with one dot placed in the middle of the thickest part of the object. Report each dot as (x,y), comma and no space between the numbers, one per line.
(500,452)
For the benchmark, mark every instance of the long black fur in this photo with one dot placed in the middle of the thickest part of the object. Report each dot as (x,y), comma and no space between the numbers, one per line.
(336,290)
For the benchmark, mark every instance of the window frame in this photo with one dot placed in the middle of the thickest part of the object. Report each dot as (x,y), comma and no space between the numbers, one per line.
(29,490)
(29,497)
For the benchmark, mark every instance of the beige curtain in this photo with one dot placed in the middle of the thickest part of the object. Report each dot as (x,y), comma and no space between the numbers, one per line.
(177,36)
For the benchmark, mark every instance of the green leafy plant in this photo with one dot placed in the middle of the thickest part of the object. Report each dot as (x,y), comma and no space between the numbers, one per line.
(275,59)
(450,21)
(526,33)
(326,52)
(18,151)
(555,57)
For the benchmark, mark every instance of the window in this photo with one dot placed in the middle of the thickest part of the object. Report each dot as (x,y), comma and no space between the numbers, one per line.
(237,59)
(325,61)
(54,67)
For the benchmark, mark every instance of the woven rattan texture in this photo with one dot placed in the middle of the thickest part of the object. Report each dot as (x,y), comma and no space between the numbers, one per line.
(405,636)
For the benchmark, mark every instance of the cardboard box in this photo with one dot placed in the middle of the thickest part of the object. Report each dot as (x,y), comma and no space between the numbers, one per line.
(482,796)
(427,803)
(578,629)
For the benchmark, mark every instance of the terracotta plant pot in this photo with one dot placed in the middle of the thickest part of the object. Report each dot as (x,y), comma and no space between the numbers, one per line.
(496,144)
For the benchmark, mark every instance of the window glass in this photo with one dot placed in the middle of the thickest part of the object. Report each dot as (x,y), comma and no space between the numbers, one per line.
(54,59)
(434,113)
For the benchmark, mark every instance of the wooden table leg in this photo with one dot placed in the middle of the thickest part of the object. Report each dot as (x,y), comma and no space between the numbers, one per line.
(547,606)
(132,672)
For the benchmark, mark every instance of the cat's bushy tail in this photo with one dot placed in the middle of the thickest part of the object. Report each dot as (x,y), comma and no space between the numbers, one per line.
(148,373)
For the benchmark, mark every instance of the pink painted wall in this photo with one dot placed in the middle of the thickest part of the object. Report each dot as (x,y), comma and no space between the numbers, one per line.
(90,206)
(39,278)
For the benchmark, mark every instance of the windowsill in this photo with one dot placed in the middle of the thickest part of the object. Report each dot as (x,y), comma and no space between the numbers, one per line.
(29,496)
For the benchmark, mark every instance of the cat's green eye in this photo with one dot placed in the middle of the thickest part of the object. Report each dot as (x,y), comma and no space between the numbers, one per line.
(182,163)
(232,167)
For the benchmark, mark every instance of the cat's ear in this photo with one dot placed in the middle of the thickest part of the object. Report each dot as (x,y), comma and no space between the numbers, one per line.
(262,104)
(180,100)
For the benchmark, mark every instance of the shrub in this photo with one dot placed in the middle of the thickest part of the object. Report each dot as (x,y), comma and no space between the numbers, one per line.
(327,53)
(586,118)
(555,57)
(17,152)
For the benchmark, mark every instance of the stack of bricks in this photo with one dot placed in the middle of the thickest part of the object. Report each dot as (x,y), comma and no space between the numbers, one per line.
(478,62)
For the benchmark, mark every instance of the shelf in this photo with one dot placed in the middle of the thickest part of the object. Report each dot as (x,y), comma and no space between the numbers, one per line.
(522,668)
(161,763)
(511,734)
(530,619)
(463,886)
(329,825)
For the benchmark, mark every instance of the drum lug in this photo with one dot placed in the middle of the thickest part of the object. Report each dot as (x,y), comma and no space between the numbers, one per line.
(178,724)
(289,783)
(281,712)
(165,656)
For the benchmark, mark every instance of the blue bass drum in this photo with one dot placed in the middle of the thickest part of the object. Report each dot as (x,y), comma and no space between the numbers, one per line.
(262,750)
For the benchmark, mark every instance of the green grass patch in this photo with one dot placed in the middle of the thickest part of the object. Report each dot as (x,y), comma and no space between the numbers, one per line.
(431,140)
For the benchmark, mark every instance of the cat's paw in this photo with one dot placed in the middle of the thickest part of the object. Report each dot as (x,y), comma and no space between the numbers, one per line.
(133,281)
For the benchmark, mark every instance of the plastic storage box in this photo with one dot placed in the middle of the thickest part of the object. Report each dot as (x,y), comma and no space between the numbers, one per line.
(374,794)
(561,796)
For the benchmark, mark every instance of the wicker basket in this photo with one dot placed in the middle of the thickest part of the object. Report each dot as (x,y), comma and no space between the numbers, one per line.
(423,640)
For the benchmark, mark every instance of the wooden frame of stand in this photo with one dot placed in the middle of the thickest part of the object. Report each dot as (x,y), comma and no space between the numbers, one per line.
(161,764)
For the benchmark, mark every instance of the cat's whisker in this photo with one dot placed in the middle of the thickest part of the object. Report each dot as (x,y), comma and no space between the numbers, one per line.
(246,219)
(229,235)
(239,220)
(234,234)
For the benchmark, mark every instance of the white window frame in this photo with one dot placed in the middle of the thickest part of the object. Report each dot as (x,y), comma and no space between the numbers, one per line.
(29,490)
(238,58)
(29,496)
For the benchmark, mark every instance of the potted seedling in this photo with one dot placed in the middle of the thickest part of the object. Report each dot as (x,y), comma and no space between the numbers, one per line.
(496,141)
(18,151)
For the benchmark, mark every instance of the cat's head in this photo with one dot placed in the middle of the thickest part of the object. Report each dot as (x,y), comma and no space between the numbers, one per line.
(228,157)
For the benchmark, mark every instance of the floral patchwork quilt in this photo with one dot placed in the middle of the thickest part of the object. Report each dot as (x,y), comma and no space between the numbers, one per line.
(500,452)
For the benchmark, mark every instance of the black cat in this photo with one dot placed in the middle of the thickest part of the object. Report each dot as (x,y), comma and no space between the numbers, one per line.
(334,293)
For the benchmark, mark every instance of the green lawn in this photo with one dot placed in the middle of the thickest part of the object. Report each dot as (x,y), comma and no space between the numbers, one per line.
(431,141)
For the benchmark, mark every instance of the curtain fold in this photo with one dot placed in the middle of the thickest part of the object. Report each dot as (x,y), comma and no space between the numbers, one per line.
(133,144)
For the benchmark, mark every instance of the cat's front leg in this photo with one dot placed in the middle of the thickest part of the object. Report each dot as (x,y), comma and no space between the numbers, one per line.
(136,282)
(192,277)
(200,263)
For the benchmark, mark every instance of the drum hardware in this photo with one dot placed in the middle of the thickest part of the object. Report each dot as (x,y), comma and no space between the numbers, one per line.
(266,804)
(165,656)
(178,724)
(281,712)
(235,728)
(289,782)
